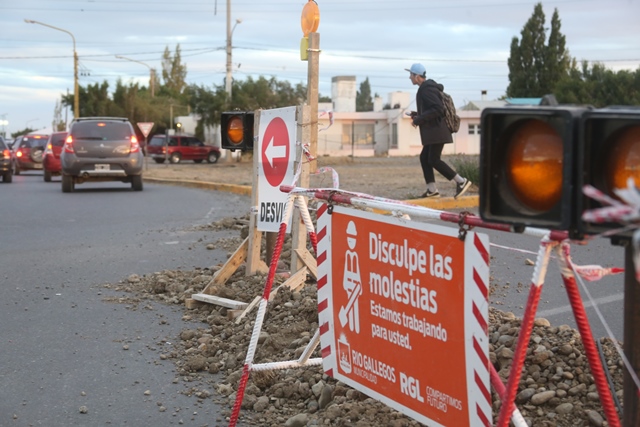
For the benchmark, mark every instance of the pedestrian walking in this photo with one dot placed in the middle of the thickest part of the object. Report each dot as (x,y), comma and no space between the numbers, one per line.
(434,133)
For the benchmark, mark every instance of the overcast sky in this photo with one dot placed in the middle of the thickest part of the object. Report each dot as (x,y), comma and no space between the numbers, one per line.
(464,44)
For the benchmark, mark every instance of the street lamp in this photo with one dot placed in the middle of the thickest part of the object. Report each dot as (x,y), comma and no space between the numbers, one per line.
(229,36)
(76,95)
(152,73)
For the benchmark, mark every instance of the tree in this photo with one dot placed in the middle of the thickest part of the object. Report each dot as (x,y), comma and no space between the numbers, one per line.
(266,93)
(248,95)
(207,103)
(535,67)
(174,73)
(363,97)
(598,86)
(557,60)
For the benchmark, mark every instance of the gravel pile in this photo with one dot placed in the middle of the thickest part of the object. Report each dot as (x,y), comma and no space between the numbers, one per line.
(556,388)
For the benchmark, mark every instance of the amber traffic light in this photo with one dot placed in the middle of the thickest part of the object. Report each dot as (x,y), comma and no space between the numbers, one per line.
(609,155)
(237,130)
(527,163)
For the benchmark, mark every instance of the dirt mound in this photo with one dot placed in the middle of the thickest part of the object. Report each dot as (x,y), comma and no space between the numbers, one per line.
(556,389)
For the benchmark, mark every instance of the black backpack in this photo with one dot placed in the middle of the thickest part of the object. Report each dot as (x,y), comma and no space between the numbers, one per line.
(450,117)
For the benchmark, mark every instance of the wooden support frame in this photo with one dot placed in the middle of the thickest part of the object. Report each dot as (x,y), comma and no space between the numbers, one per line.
(249,250)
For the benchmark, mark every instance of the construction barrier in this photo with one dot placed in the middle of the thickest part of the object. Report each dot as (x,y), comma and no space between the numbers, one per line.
(551,241)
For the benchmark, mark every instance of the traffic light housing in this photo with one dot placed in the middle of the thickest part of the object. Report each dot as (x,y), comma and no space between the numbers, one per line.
(527,164)
(534,162)
(237,130)
(609,154)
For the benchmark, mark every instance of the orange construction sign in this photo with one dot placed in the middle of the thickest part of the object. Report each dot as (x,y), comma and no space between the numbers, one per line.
(403,311)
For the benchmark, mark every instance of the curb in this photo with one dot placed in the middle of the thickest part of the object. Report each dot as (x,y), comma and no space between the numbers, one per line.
(446,203)
(443,203)
(231,188)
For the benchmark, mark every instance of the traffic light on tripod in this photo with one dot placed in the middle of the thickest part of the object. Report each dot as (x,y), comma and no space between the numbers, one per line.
(237,130)
(534,162)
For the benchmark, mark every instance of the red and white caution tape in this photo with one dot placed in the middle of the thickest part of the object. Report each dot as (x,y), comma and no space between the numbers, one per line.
(625,212)
(330,114)
(591,273)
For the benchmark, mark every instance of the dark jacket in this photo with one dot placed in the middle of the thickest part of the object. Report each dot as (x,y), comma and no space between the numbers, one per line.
(430,117)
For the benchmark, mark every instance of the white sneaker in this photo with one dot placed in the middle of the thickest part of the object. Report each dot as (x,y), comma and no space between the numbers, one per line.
(462,188)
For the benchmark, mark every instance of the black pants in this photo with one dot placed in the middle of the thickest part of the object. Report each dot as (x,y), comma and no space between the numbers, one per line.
(430,160)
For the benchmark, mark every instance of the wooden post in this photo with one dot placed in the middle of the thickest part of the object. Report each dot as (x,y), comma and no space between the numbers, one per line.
(298,231)
(312,95)
(254,263)
(270,245)
(308,132)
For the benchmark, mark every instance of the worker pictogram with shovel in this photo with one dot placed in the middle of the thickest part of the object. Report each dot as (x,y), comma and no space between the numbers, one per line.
(351,282)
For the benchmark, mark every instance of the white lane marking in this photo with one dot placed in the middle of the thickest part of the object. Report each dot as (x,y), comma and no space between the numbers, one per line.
(567,308)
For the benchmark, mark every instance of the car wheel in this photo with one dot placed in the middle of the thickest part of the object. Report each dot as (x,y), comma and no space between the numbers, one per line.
(47,176)
(16,168)
(136,182)
(213,157)
(7,177)
(159,160)
(67,183)
(175,158)
(198,161)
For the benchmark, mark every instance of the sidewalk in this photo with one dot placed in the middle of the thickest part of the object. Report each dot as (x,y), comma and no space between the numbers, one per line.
(398,178)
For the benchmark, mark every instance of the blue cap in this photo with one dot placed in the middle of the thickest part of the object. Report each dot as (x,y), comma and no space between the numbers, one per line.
(417,69)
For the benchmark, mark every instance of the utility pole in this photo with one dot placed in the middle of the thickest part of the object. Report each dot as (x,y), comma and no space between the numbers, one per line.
(229,78)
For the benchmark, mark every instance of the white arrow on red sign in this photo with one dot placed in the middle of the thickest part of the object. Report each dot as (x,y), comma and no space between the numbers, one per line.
(145,128)
(275,151)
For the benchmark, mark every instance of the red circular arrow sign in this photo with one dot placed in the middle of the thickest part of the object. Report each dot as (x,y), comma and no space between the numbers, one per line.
(275,151)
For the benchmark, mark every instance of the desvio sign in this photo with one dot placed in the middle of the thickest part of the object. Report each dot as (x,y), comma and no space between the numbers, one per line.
(403,310)
(276,145)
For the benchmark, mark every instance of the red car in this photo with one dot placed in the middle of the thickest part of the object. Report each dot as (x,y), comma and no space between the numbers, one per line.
(51,157)
(181,147)
(27,152)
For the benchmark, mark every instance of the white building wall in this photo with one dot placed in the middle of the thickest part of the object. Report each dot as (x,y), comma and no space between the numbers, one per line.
(343,94)
(403,100)
(332,142)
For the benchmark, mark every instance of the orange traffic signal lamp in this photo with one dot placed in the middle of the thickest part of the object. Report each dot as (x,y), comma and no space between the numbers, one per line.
(534,162)
(237,130)
(527,164)
(609,155)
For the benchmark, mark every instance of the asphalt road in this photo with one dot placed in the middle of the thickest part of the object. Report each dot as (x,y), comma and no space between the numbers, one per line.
(62,346)
(512,273)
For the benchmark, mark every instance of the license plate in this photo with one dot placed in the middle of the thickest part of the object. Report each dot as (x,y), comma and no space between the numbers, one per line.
(102,167)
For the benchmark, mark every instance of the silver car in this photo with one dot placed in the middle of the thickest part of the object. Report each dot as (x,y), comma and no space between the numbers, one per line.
(101,149)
